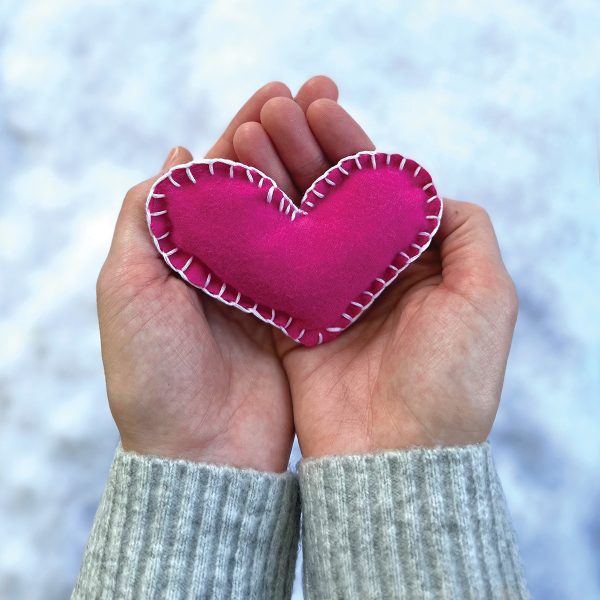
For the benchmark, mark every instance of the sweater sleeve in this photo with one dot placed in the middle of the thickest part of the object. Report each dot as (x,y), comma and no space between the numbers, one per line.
(177,529)
(418,523)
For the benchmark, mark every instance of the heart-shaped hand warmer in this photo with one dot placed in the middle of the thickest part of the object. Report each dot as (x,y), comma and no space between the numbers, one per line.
(311,270)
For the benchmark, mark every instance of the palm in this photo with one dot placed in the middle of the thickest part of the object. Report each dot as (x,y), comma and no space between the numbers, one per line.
(390,371)
(188,364)
(425,364)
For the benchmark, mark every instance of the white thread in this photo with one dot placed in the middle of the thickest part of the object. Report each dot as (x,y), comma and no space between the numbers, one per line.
(249,175)
(318,194)
(427,186)
(187,264)
(272,314)
(324,177)
(346,316)
(300,335)
(211,167)
(281,203)
(388,159)
(425,233)
(373,161)
(358,163)
(163,236)
(416,246)
(158,213)
(308,203)
(320,338)
(261,182)
(402,163)
(189,174)
(220,294)
(270,194)
(356,304)
(170,252)
(287,210)
(173,181)
(431,199)
(231,172)
(207,280)
(417,171)
(380,280)
(394,268)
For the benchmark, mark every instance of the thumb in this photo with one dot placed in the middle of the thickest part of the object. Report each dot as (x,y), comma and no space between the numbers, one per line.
(131,237)
(471,261)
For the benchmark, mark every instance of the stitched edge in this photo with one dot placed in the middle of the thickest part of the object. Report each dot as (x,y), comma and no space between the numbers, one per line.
(287,206)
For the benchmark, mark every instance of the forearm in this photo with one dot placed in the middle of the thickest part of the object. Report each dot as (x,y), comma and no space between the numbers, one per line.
(174,528)
(420,523)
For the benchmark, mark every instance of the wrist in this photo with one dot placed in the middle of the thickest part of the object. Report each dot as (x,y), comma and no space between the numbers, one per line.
(213,454)
(352,442)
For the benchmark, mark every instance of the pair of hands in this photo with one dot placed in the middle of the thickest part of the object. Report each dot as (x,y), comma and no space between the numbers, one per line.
(188,377)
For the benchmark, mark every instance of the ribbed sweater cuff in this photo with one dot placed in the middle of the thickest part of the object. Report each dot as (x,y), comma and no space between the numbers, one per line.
(178,529)
(419,523)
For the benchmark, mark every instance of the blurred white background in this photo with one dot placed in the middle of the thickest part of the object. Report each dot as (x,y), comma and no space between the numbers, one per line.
(498,100)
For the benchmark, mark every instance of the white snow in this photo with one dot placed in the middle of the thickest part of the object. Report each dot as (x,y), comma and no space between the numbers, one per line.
(499,100)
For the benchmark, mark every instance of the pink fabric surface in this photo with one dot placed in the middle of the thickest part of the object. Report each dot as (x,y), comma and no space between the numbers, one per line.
(310,270)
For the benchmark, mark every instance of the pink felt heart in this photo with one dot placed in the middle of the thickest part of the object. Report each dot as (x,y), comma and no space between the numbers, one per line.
(311,270)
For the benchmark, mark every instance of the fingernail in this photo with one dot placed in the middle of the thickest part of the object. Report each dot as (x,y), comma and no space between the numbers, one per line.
(171,157)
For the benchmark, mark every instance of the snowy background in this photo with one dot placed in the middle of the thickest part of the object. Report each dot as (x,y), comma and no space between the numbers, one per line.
(499,101)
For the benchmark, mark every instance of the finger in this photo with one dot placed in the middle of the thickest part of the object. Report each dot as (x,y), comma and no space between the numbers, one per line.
(338,134)
(471,259)
(249,112)
(254,147)
(298,149)
(316,87)
(131,238)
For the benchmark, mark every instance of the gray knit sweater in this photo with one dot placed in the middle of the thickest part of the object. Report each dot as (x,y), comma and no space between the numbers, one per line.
(414,524)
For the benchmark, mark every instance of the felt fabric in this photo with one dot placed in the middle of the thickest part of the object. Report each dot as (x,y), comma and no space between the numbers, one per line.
(310,270)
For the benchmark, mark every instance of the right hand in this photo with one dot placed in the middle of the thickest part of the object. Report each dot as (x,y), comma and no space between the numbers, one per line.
(188,377)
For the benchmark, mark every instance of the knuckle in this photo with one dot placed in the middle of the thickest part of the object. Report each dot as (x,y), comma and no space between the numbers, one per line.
(504,293)
(111,276)
(477,211)
(134,192)
(103,280)
(511,298)
(310,168)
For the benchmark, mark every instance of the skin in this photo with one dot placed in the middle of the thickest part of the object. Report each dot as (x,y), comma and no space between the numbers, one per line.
(424,366)
(186,376)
